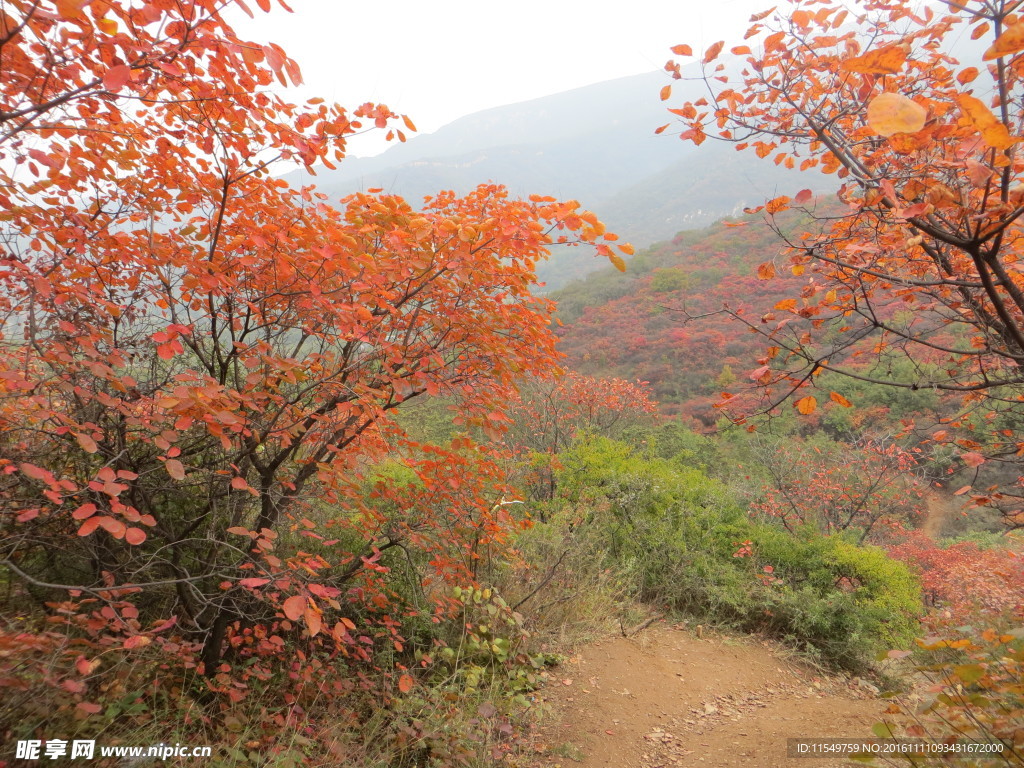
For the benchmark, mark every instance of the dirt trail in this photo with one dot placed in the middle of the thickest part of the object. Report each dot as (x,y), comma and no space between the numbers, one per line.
(668,698)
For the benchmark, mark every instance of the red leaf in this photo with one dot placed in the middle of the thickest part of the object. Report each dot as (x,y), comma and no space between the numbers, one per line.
(135,536)
(803,196)
(114,527)
(294,607)
(972,459)
(117,77)
(175,469)
(87,443)
(405,683)
(89,526)
(86,510)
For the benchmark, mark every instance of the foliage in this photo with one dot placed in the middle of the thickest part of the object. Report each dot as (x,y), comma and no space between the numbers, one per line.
(972,694)
(685,543)
(920,263)
(200,368)
(968,582)
(863,488)
(548,414)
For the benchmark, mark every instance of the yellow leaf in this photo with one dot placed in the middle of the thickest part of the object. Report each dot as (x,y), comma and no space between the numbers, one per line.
(806,405)
(1011,41)
(617,261)
(891,113)
(980,117)
(107,25)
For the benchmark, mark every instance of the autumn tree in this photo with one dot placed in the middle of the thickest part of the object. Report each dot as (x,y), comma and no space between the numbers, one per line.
(918,263)
(868,489)
(548,414)
(200,365)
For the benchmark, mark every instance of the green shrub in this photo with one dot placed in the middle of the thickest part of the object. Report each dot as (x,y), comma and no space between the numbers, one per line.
(685,543)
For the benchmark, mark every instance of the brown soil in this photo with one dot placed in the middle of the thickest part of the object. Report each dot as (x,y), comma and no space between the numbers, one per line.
(668,698)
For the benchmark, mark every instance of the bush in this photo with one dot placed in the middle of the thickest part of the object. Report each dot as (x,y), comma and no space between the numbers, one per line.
(686,544)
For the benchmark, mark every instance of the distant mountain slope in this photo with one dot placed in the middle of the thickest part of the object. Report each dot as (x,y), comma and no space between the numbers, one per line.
(657,322)
(594,144)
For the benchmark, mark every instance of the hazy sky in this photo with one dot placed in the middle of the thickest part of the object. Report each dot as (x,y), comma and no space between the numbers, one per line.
(437,60)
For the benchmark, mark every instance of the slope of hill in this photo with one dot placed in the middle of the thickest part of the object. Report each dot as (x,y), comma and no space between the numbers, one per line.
(594,144)
(660,322)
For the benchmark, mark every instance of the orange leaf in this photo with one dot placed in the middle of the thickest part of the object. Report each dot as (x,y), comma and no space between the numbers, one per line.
(682,50)
(881,61)
(713,51)
(666,92)
(1011,41)
(294,607)
(807,405)
(766,271)
(312,616)
(837,398)
(890,113)
(967,75)
(137,641)
(980,117)
(405,683)
(175,469)
(803,196)
(70,9)
(617,262)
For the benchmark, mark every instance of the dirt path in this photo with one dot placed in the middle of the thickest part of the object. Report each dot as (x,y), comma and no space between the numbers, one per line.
(668,698)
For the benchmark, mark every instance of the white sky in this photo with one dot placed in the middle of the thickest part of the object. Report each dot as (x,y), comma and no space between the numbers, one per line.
(437,60)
